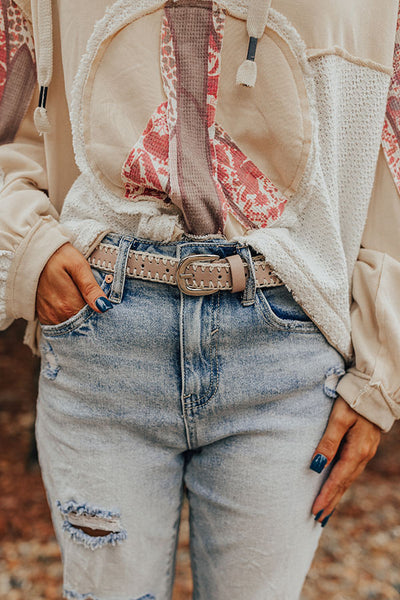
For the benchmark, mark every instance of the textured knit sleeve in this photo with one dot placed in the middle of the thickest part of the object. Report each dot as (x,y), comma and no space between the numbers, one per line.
(29,231)
(372,385)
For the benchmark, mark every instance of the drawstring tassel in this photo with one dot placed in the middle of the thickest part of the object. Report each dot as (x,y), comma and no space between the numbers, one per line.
(257,17)
(41,119)
(247,72)
(43,28)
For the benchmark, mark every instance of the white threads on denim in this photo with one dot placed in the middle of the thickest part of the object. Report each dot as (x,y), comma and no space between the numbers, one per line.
(87,509)
(94,542)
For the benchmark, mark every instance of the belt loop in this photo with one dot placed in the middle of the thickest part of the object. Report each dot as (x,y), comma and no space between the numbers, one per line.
(118,284)
(249,291)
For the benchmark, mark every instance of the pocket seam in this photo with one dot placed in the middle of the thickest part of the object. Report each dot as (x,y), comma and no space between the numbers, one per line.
(279,324)
(70,324)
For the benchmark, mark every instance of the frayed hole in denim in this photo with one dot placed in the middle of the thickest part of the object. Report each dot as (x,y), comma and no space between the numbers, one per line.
(50,366)
(332,377)
(91,526)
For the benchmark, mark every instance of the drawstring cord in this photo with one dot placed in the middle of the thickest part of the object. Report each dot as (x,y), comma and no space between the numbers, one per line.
(257,17)
(43,27)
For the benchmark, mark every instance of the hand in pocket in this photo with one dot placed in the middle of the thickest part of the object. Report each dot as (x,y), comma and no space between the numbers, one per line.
(65,285)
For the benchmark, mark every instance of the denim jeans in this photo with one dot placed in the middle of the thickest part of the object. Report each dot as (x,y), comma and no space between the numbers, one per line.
(223,397)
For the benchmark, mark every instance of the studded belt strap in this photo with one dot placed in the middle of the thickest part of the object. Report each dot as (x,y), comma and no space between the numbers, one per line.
(196,274)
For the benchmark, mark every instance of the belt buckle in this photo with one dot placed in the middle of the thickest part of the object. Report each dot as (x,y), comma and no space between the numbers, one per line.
(181,276)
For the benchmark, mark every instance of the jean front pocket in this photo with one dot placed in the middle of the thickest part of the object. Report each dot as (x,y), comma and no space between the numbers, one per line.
(281,311)
(84,315)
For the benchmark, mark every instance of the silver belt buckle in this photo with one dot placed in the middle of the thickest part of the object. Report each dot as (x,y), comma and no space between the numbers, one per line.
(182,276)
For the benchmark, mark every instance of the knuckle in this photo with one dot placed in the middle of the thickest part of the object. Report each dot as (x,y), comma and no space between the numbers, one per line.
(65,310)
(327,446)
(339,483)
(340,421)
(80,267)
(365,451)
(372,451)
(92,290)
(342,486)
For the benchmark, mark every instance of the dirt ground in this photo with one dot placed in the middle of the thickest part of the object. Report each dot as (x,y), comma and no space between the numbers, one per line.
(359,553)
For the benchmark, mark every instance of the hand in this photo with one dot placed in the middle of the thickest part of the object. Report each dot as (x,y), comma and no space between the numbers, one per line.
(65,285)
(358,439)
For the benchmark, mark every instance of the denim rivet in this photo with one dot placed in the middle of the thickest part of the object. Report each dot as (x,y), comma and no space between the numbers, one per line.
(109,277)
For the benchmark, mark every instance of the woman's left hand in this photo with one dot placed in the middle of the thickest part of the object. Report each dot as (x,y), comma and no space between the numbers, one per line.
(358,439)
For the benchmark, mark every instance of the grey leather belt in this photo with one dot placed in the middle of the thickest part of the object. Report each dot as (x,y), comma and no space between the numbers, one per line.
(195,275)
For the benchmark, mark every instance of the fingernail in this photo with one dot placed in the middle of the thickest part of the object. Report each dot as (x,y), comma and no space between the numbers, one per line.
(318,463)
(324,521)
(103,304)
(317,516)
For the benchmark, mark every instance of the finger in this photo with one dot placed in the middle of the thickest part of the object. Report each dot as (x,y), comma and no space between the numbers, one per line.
(92,293)
(339,423)
(338,482)
(358,448)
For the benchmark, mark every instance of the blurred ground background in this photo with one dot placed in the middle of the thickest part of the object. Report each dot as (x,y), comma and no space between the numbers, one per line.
(359,553)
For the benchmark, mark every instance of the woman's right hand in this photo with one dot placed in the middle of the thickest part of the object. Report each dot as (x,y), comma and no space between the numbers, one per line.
(65,285)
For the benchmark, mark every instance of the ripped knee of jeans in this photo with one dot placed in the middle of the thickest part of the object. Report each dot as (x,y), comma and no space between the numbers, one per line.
(91,526)
(332,377)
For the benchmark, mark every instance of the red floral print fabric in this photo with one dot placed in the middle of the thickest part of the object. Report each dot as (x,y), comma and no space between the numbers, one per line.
(17,69)
(220,179)
(391,128)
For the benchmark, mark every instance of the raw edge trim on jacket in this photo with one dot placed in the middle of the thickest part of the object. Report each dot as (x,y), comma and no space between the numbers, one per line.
(368,399)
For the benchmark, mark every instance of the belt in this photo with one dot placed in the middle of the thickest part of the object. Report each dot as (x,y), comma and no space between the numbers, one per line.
(195,275)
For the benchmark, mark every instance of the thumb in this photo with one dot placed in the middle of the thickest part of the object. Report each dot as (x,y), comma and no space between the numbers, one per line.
(90,290)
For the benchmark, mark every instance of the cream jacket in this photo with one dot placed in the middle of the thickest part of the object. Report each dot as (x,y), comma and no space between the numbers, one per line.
(317,133)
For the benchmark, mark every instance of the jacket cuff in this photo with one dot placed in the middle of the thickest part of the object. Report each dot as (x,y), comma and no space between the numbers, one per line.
(29,261)
(369,400)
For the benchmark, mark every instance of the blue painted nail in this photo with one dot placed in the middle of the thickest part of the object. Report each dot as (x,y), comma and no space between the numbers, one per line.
(317,516)
(103,304)
(318,463)
(324,521)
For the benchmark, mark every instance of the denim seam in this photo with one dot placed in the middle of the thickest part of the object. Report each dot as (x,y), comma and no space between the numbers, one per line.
(214,380)
(184,406)
(195,575)
(72,327)
(173,552)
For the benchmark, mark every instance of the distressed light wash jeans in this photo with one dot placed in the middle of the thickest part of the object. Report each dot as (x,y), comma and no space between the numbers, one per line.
(223,397)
